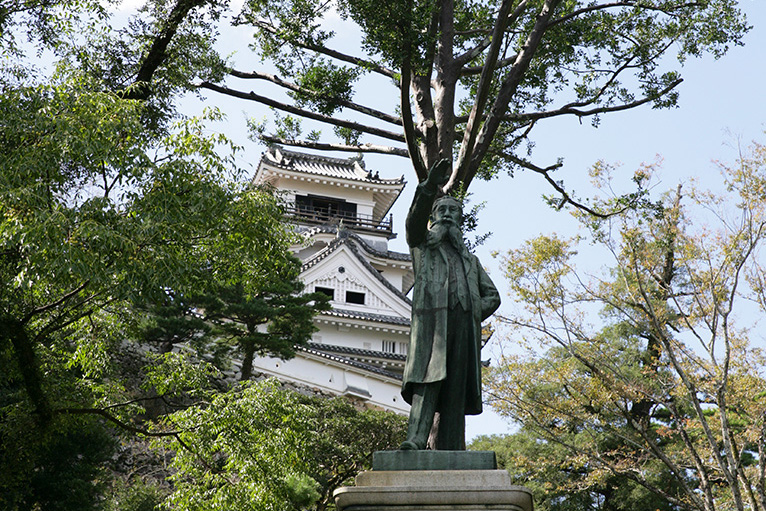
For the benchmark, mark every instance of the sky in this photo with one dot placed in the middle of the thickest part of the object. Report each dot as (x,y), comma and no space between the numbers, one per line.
(722,108)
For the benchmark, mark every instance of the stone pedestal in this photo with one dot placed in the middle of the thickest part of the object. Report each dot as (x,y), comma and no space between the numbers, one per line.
(433,489)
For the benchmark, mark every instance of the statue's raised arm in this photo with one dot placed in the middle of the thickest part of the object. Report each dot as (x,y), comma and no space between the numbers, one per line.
(425,194)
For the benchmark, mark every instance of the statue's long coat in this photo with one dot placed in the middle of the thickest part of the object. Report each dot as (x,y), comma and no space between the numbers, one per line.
(427,354)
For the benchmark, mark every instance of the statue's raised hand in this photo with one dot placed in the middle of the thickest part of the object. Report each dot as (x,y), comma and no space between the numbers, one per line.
(439,173)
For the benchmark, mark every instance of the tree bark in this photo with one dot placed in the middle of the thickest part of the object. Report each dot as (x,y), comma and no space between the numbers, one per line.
(14,330)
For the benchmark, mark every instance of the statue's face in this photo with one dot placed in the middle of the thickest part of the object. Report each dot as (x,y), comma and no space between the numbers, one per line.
(447,211)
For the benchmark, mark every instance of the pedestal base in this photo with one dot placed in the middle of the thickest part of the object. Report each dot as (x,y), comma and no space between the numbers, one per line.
(433,460)
(433,490)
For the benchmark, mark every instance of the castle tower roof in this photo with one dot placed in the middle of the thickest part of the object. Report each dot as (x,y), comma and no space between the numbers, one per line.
(278,164)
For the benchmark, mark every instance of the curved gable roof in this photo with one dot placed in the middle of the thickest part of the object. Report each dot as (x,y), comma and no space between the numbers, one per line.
(352,242)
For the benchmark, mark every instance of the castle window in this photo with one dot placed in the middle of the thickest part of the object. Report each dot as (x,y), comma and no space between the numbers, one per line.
(354,297)
(325,290)
(389,346)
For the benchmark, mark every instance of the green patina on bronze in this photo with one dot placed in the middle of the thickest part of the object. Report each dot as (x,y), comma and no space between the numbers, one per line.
(452,296)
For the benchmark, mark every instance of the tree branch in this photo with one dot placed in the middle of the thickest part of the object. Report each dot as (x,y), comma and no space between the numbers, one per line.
(549,433)
(114,420)
(493,38)
(421,171)
(565,197)
(343,57)
(568,110)
(252,96)
(424,107)
(141,88)
(485,83)
(383,116)
(26,359)
(691,388)
(626,3)
(507,90)
(141,431)
(55,304)
(362,148)
(475,70)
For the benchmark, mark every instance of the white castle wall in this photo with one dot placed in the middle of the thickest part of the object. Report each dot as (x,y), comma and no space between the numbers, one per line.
(316,373)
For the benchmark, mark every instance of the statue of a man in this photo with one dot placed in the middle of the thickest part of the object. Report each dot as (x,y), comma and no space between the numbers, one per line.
(452,296)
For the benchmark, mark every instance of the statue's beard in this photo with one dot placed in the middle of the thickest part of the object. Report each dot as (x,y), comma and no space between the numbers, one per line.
(441,231)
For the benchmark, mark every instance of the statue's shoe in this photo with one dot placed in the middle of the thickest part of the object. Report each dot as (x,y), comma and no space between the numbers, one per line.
(409,445)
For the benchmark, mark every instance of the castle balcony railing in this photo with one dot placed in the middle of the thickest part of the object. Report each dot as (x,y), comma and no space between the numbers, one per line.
(349,220)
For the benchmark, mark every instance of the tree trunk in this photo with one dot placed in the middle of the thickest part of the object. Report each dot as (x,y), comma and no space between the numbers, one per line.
(248,348)
(14,330)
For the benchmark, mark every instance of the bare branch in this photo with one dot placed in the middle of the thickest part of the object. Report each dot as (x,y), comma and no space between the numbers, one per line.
(362,148)
(409,128)
(383,116)
(507,89)
(474,52)
(252,96)
(343,57)
(568,110)
(424,107)
(495,38)
(421,170)
(502,63)
(485,83)
(626,3)
(565,197)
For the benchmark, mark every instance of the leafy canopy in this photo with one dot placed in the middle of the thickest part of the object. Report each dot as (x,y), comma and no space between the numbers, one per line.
(471,79)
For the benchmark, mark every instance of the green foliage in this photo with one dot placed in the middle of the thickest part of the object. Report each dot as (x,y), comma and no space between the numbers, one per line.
(387,25)
(272,320)
(560,482)
(45,24)
(324,86)
(347,135)
(58,468)
(470,219)
(628,380)
(263,447)
(110,215)
(347,438)
(135,495)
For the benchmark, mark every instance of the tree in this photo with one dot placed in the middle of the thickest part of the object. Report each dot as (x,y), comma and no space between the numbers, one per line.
(108,201)
(272,321)
(562,482)
(651,371)
(472,78)
(266,447)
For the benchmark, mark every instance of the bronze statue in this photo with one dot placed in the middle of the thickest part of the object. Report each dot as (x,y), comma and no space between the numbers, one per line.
(452,296)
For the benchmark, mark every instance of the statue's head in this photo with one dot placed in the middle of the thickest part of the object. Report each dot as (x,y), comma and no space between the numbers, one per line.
(447,209)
